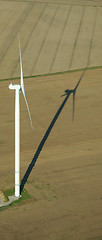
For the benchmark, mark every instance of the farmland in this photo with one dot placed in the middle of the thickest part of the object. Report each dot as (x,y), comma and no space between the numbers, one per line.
(54,37)
(65,180)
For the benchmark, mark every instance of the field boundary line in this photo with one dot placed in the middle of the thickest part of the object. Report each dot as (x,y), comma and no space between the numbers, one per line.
(27,42)
(15,30)
(51,74)
(77,36)
(64,27)
(92,37)
(46,34)
(73,4)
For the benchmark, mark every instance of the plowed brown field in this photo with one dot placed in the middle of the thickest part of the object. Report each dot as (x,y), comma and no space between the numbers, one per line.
(66,181)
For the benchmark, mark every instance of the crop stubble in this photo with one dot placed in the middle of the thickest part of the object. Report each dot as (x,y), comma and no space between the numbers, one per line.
(54,37)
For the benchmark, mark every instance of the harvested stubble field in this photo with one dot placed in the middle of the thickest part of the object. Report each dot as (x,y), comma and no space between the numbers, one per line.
(66,181)
(55,36)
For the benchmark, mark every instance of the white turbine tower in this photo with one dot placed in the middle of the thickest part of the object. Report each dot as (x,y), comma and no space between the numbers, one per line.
(18,88)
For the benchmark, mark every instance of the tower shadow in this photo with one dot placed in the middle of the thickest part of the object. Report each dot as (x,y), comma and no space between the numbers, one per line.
(39,149)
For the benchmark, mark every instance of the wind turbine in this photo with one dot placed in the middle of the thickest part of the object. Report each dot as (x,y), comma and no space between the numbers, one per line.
(18,89)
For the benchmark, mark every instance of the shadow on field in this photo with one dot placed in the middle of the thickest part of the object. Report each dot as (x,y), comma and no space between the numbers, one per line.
(39,149)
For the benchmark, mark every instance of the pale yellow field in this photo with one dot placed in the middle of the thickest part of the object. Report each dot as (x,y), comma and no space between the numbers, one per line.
(55,36)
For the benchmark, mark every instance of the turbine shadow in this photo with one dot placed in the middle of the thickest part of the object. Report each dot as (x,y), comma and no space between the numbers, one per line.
(39,149)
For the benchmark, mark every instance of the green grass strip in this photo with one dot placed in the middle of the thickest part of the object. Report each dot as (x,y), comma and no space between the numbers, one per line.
(10,192)
(51,74)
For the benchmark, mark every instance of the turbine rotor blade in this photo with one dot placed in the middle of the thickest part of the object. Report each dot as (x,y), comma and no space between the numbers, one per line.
(23,91)
(22,84)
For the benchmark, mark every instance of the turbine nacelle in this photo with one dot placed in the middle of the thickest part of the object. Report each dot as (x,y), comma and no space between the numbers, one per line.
(15,86)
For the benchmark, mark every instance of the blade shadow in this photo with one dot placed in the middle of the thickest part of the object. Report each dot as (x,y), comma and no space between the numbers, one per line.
(39,149)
